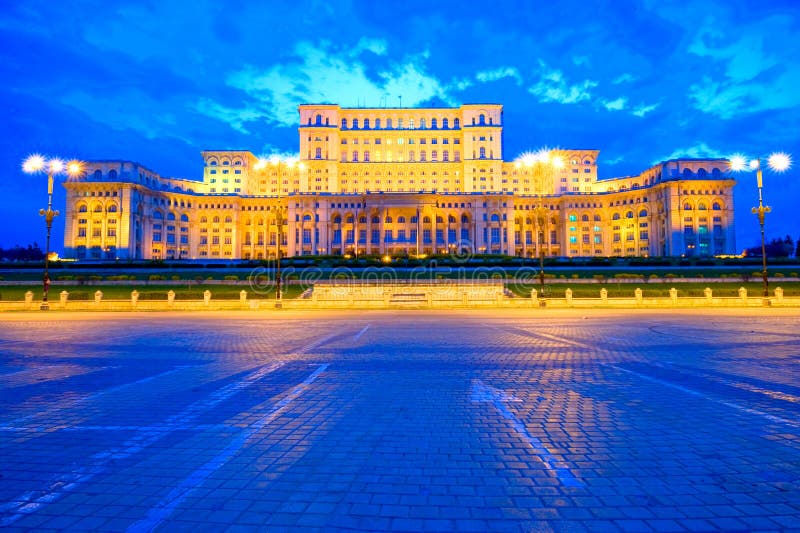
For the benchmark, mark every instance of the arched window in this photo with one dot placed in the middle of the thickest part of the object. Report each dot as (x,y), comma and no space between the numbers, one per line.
(451,219)
(112,174)
(306,218)
(615,216)
(702,206)
(464,219)
(495,218)
(377,123)
(355,123)
(228,219)
(203,220)
(434,155)
(445,155)
(387,220)
(715,173)
(112,208)
(457,123)
(355,155)
(83,209)
(401,220)
(422,123)
(716,207)
(170,216)
(629,214)
(344,123)
(318,153)
(157,215)
(701,173)
(687,206)
(687,173)
(337,219)
(411,123)
(349,219)
(426,220)
(482,120)
(434,124)
(184,218)
(482,152)
(643,213)
(439,220)
(98,175)
(319,120)
(445,123)
(388,123)
(414,219)
(411,156)
(215,220)
(597,218)
(376,220)
(366,123)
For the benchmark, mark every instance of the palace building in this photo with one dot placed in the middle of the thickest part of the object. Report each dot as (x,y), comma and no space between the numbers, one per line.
(399,181)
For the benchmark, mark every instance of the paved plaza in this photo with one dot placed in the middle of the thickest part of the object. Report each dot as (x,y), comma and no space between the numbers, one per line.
(490,420)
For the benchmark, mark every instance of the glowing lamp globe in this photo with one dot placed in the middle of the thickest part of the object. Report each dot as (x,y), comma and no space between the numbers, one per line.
(737,163)
(779,161)
(34,163)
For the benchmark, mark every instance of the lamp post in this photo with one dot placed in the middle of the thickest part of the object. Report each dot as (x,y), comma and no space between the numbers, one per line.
(36,164)
(541,163)
(778,162)
(261,166)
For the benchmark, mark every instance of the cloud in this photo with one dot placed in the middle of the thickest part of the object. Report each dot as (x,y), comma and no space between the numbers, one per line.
(614,160)
(624,78)
(498,74)
(753,77)
(235,118)
(580,60)
(553,87)
(376,46)
(322,73)
(460,84)
(643,109)
(123,111)
(615,105)
(700,151)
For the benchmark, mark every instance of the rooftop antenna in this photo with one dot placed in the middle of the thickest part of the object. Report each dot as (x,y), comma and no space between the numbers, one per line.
(400,99)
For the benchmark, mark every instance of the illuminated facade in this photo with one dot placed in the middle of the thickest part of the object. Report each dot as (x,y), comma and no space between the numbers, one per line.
(397,181)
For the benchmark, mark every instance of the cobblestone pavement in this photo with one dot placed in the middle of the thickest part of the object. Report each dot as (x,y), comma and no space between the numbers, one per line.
(408,421)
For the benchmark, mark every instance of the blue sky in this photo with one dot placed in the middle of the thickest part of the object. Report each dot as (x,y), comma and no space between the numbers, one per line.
(158,81)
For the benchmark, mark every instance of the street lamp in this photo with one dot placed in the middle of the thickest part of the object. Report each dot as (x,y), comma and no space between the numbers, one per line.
(261,165)
(777,162)
(36,164)
(545,161)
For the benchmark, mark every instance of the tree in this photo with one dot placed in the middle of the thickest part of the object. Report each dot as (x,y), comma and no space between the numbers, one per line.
(774,248)
(797,250)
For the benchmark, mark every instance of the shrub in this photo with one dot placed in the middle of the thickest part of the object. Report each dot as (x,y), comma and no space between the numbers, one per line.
(670,275)
(231,278)
(156,277)
(210,278)
(176,278)
(625,275)
(779,275)
(575,276)
(599,277)
(65,278)
(653,276)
